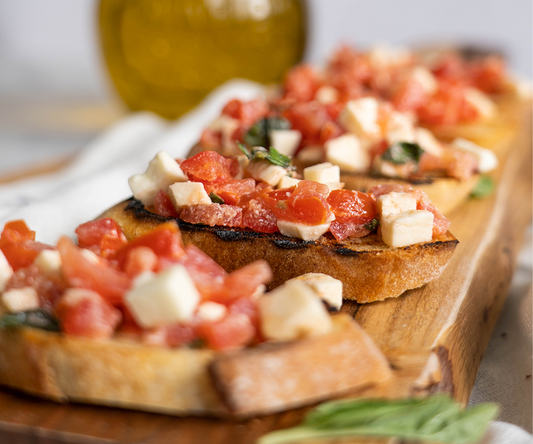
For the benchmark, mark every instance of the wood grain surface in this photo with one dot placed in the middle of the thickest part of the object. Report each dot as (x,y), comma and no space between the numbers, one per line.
(434,336)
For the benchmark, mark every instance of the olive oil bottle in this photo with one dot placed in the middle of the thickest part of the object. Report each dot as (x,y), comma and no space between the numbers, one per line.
(166,55)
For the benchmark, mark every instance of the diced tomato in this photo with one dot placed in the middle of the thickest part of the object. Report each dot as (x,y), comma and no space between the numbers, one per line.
(450,67)
(233,165)
(207,166)
(49,287)
(174,335)
(100,276)
(211,139)
(301,83)
(257,212)
(243,282)
(409,96)
(330,130)
(459,164)
(207,275)
(88,317)
(248,307)
(21,254)
(352,206)
(488,74)
(349,71)
(139,260)
(307,204)
(164,240)
(447,106)
(440,223)
(235,330)
(128,324)
(163,205)
(105,234)
(308,118)
(246,112)
(16,231)
(233,190)
(214,214)
(380,190)
(344,230)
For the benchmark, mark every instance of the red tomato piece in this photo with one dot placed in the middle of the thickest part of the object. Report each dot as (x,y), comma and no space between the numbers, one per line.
(307,204)
(344,230)
(207,275)
(211,139)
(308,118)
(139,260)
(106,234)
(207,166)
(440,223)
(89,317)
(233,190)
(171,335)
(301,83)
(246,112)
(16,231)
(488,74)
(410,96)
(330,130)
(243,282)
(352,206)
(380,190)
(235,330)
(82,272)
(257,212)
(214,214)
(164,240)
(163,205)
(21,254)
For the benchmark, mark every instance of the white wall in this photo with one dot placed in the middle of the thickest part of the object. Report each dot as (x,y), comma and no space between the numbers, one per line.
(53,45)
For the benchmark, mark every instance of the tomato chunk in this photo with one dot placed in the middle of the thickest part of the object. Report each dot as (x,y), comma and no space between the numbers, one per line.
(307,204)
(235,330)
(207,275)
(232,191)
(207,166)
(105,234)
(214,214)
(16,231)
(21,254)
(163,205)
(352,206)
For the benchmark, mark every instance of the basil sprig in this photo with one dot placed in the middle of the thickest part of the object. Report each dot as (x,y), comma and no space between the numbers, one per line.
(32,318)
(484,187)
(259,133)
(370,226)
(434,419)
(402,152)
(216,198)
(272,155)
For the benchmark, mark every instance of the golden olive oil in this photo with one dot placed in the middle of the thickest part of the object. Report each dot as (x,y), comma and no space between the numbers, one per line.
(166,55)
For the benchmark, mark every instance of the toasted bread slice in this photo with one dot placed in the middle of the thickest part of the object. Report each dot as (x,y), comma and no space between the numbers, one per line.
(182,381)
(369,269)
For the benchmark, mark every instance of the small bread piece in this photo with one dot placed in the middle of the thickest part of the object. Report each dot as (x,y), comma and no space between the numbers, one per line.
(369,269)
(287,375)
(123,373)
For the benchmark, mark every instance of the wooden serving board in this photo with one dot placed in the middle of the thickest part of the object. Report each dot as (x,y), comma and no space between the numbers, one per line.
(434,336)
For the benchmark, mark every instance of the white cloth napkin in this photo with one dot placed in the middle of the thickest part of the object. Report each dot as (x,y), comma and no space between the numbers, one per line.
(56,204)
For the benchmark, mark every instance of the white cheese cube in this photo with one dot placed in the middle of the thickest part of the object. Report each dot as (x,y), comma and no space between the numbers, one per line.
(324,286)
(360,117)
(287,182)
(302,231)
(162,171)
(227,126)
(73,296)
(168,297)
(285,141)
(481,102)
(20,299)
(487,160)
(266,171)
(348,153)
(211,311)
(311,155)
(243,164)
(407,228)
(389,169)
(292,311)
(327,94)
(5,272)
(400,128)
(424,78)
(49,261)
(186,194)
(334,186)
(394,203)
(428,142)
(323,173)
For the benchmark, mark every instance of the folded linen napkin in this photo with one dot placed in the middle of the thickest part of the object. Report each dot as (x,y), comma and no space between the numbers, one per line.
(57,203)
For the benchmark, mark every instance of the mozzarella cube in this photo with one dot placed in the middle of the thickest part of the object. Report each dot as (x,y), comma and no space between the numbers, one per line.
(162,171)
(327,94)
(5,271)
(243,164)
(481,102)
(186,194)
(407,228)
(348,153)
(266,171)
(211,311)
(394,203)
(424,78)
(428,142)
(360,117)
(311,155)
(334,186)
(325,287)
(287,182)
(302,231)
(323,173)
(48,261)
(291,312)
(168,297)
(20,299)
(285,141)
(401,134)
(487,160)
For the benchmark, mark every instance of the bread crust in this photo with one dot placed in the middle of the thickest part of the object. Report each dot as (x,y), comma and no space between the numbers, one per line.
(128,374)
(369,269)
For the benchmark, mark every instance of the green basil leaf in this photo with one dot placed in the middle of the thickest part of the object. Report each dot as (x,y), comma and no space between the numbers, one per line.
(370,226)
(272,155)
(216,198)
(259,132)
(402,152)
(244,149)
(484,187)
(434,419)
(32,318)
(277,123)
(279,159)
